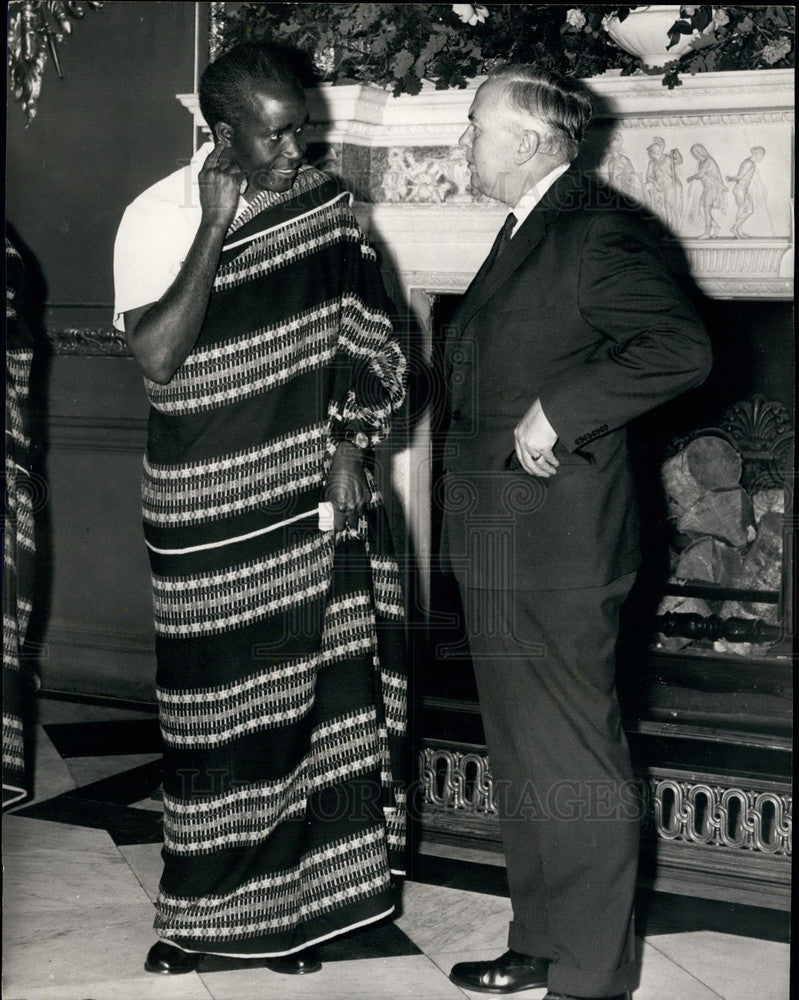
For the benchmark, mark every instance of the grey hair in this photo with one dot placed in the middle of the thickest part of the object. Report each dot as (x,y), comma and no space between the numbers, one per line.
(556,101)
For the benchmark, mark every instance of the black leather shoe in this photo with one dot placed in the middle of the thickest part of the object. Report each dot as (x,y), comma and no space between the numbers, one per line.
(298,964)
(510,973)
(168,960)
(567,996)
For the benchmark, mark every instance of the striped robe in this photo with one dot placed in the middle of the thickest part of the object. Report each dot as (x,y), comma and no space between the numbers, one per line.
(22,491)
(280,678)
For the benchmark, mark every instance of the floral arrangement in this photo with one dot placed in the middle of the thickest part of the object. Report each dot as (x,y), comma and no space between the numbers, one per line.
(401,45)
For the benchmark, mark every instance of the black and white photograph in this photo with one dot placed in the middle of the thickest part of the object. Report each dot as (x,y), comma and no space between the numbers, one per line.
(398,584)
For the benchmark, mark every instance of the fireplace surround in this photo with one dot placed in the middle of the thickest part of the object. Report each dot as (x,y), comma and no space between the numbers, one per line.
(400,158)
(709,726)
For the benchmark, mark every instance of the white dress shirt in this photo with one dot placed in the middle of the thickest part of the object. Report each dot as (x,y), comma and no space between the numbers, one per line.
(531,198)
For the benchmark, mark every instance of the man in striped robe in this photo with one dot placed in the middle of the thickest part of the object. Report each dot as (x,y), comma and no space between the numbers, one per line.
(254,306)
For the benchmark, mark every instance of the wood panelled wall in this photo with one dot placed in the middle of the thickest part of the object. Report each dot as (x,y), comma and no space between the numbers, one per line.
(98,636)
(105,132)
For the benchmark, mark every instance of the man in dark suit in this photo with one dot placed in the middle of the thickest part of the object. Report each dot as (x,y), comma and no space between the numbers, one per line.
(570,330)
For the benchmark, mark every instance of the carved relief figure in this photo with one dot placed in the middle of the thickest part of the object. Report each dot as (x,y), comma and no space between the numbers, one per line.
(327,160)
(663,188)
(407,178)
(748,191)
(619,168)
(712,192)
(429,180)
(461,176)
(395,179)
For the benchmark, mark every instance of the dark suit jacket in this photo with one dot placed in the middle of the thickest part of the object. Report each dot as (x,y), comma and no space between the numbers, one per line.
(580,311)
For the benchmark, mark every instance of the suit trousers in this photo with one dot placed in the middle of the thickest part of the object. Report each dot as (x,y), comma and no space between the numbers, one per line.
(569,808)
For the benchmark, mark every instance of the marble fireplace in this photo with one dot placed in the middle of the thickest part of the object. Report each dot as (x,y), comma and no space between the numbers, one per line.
(400,158)
(709,723)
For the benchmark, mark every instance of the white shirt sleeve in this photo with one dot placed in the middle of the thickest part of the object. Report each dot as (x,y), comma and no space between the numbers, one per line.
(155,236)
(152,242)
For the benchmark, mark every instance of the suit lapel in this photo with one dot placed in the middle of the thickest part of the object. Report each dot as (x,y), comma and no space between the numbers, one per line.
(486,281)
(529,235)
(517,251)
(476,281)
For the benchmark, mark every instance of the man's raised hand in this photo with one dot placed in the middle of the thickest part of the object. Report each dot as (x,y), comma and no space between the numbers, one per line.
(222,182)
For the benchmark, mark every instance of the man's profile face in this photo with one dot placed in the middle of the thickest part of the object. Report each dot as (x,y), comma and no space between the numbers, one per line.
(491,146)
(268,144)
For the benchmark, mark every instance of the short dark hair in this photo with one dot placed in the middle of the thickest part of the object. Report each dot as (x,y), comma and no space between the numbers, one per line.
(226,82)
(559,102)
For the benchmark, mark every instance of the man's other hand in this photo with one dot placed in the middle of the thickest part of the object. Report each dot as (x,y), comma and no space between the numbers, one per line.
(346,487)
(535,438)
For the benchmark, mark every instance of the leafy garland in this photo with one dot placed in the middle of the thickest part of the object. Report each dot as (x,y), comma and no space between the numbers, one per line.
(35,30)
(734,38)
(398,46)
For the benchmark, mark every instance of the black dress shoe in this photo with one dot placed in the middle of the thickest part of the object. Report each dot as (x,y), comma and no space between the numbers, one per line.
(510,973)
(168,960)
(567,996)
(298,964)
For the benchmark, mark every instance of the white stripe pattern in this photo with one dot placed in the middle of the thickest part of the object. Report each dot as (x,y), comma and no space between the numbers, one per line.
(206,603)
(388,595)
(251,365)
(173,495)
(270,902)
(212,718)
(265,262)
(247,815)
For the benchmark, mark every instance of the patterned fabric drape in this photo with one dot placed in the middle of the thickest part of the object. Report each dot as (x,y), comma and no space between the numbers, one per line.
(280,681)
(18,537)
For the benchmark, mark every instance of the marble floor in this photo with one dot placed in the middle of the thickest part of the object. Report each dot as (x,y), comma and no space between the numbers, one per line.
(81,867)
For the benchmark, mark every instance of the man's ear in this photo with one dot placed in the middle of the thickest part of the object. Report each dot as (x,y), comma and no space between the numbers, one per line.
(223,133)
(528,146)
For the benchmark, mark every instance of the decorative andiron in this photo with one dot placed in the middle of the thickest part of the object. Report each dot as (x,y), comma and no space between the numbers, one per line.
(714,627)
(36,28)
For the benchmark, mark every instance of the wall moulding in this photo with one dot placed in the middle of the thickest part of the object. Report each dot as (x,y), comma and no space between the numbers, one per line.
(98,434)
(100,341)
(76,659)
(378,113)
(711,159)
(108,637)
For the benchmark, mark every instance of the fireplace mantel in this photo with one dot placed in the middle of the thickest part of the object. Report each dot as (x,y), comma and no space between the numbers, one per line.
(401,159)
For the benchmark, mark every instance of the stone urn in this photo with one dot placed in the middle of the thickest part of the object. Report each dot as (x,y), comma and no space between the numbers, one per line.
(644,33)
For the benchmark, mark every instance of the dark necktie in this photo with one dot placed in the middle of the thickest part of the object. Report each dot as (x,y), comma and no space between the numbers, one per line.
(502,240)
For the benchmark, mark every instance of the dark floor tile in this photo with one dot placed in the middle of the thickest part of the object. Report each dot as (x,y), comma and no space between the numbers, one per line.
(452,873)
(105,805)
(381,940)
(125,787)
(105,739)
(668,913)
(125,825)
(655,912)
